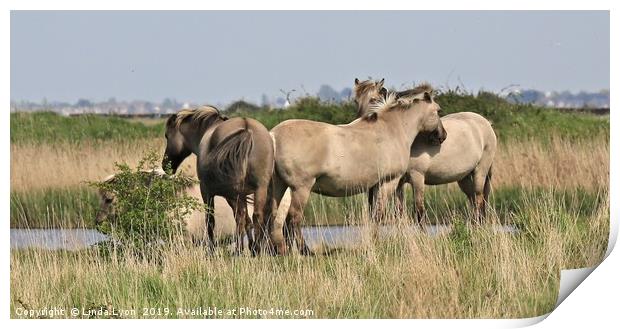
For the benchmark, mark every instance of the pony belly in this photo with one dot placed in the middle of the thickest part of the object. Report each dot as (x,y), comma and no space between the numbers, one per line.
(455,160)
(445,172)
(438,178)
(340,188)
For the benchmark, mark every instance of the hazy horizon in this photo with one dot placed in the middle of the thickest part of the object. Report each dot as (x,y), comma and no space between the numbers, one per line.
(219,57)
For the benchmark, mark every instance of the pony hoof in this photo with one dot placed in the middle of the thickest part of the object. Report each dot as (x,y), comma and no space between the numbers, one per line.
(305,251)
(274,251)
(210,250)
(255,249)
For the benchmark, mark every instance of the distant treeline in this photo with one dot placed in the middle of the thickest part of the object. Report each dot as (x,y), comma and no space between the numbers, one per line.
(509,120)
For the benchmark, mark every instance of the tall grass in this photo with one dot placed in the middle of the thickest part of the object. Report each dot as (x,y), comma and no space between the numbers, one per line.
(527,163)
(59,207)
(470,272)
(64,164)
(550,180)
(43,194)
(556,162)
(77,207)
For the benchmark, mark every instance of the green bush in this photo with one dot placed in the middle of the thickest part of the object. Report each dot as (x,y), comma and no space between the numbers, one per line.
(241,106)
(148,207)
(524,121)
(510,121)
(308,108)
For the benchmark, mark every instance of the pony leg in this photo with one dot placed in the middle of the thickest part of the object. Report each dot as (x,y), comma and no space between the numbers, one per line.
(467,186)
(477,187)
(373,202)
(479,202)
(486,192)
(482,187)
(276,241)
(249,226)
(400,196)
(260,201)
(247,222)
(239,207)
(417,180)
(376,202)
(299,198)
(209,202)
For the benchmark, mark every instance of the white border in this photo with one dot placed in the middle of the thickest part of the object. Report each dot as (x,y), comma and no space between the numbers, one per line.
(594,302)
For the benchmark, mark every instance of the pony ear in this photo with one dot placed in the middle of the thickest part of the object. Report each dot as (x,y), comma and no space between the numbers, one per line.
(109,179)
(223,117)
(383,92)
(357,81)
(427,96)
(171,119)
(380,83)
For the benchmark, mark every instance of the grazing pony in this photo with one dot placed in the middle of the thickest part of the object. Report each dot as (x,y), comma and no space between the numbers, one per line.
(194,220)
(235,158)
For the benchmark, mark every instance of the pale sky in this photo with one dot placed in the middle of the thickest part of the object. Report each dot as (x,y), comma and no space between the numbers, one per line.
(217,57)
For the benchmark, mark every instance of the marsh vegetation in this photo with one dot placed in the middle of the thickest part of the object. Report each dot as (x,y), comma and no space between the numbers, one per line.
(550,180)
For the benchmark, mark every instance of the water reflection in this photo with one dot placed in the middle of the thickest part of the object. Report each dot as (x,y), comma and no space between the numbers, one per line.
(316,236)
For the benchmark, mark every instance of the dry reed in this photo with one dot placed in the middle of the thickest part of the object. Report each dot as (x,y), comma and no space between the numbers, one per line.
(559,163)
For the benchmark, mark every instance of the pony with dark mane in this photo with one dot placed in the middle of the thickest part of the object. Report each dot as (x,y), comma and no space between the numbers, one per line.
(235,158)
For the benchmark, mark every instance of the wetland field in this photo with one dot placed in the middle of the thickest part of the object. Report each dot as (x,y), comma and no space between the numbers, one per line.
(550,187)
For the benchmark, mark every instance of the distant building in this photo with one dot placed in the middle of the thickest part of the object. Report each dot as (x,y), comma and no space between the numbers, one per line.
(563,99)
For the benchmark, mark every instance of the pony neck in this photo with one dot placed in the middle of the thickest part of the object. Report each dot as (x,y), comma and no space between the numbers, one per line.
(408,120)
(194,135)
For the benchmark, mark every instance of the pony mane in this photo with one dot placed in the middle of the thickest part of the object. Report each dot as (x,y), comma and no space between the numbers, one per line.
(205,114)
(415,92)
(400,100)
(385,103)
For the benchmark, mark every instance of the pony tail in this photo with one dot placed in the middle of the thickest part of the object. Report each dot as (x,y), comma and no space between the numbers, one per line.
(227,162)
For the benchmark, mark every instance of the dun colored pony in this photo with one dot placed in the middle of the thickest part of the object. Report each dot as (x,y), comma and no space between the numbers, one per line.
(367,93)
(194,220)
(343,160)
(235,158)
(465,156)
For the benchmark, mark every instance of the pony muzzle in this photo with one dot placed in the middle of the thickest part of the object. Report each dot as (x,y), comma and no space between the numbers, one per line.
(171,163)
(438,136)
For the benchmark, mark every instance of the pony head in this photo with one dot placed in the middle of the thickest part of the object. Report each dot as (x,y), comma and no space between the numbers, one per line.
(420,101)
(367,93)
(107,199)
(184,128)
(432,127)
